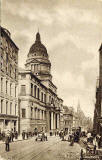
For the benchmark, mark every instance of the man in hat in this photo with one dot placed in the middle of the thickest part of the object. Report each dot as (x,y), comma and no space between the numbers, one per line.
(7,148)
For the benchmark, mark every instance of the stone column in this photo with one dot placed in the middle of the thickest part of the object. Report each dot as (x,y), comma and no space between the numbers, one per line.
(43,115)
(47,118)
(52,122)
(57,120)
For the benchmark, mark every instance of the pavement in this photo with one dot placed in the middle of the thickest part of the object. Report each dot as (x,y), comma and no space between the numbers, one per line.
(53,149)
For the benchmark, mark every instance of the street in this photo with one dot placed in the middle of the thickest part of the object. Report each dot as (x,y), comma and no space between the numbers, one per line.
(53,149)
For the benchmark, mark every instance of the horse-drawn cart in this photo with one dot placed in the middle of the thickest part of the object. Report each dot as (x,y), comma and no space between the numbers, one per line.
(90,153)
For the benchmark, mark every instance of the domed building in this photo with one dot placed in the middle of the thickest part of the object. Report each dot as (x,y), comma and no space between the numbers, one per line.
(40,107)
(38,60)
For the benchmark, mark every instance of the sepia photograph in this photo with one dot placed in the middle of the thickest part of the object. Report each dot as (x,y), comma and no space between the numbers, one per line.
(50,79)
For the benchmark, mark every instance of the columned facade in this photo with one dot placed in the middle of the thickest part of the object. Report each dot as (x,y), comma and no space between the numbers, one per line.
(40,106)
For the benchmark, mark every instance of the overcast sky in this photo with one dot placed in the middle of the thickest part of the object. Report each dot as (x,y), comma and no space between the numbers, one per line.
(71,30)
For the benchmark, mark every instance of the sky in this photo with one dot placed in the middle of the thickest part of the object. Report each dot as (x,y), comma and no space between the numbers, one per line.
(71,30)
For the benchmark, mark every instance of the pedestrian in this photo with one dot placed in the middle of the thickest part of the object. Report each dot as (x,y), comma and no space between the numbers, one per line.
(23,135)
(94,149)
(81,154)
(16,135)
(72,140)
(46,137)
(7,147)
(27,135)
(12,136)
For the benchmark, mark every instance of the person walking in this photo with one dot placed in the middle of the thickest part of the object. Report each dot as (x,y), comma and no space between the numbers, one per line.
(46,136)
(23,135)
(12,136)
(7,141)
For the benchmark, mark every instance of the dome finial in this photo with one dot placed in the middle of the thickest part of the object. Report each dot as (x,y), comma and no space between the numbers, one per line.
(38,36)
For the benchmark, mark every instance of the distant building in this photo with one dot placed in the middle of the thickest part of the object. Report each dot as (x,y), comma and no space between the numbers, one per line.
(8,82)
(39,105)
(68,118)
(97,126)
(80,120)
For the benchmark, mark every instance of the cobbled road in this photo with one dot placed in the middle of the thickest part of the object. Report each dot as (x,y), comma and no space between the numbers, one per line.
(53,149)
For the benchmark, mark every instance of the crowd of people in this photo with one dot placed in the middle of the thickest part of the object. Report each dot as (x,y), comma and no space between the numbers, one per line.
(72,136)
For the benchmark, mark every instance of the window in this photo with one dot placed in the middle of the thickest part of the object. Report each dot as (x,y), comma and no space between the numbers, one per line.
(15,73)
(6,62)
(1,106)
(10,89)
(23,113)
(35,87)
(6,58)
(38,93)
(38,114)
(1,61)
(1,84)
(15,108)
(45,98)
(31,112)
(10,108)
(23,76)
(42,96)
(6,85)
(10,70)
(31,89)
(42,114)
(15,90)
(6,107)
(23,90)
(49,99)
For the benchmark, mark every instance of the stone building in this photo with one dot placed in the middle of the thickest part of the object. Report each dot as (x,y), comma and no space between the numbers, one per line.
(68,113)
(8,82)
(97,126)
(39,105)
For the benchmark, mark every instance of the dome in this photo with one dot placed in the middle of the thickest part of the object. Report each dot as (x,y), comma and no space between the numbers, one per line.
(38,46)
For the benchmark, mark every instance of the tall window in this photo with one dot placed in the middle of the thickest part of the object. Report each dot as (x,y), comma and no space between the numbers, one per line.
(10,70)
(45,98)
(35,88)
(1,106)
(1,61)
(1,84)
(31,112)
(6,58)
(15,90)
(42,96)
(23,113)
(6,85)
(38,93)
(42,114)
(23,90)
(49,99)
(31,89)
(15,73)
(6,62)
(10,89)
(6,107)
(10,108)
(15,108)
